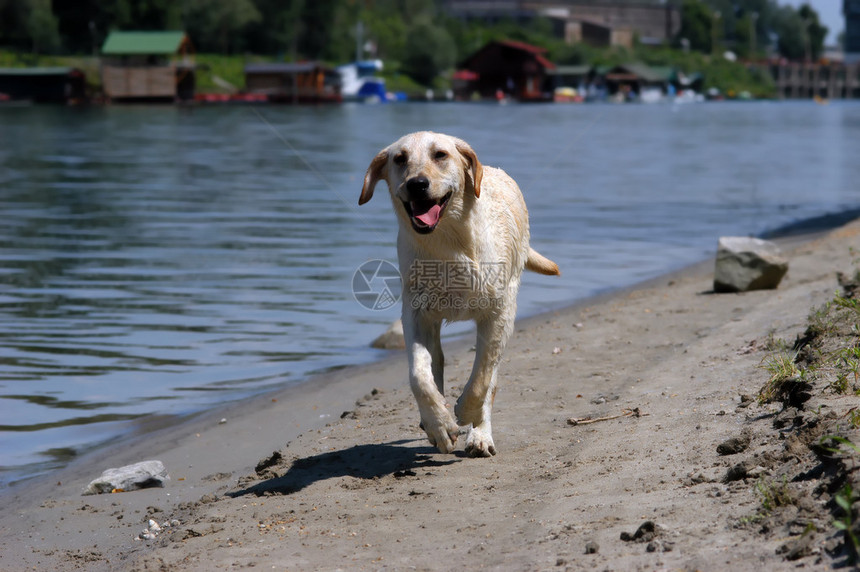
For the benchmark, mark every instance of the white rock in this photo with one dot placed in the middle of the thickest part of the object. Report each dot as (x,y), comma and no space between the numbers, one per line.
(131,477)
(392,339)
(745,264)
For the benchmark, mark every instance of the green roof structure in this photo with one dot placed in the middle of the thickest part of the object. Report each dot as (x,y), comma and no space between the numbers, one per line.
(570,70)
(143,43)
(650,73)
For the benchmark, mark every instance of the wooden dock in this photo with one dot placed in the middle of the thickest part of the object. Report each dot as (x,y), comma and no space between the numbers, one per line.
(811,80)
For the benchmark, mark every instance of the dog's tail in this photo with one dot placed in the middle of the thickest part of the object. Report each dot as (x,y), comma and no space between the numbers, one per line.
(541,264)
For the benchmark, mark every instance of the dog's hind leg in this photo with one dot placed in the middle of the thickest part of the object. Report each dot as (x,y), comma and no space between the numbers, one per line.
(424,351)
(475,405)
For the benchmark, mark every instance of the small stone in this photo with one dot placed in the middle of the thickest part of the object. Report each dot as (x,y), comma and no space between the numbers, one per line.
(392,339)
(646,532)
(734,445)
(736,473)
(797,548)
(659,545)
(591,547)
(141,475)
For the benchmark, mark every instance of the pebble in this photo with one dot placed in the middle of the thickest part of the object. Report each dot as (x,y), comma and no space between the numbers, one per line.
(153,529)
(734,445)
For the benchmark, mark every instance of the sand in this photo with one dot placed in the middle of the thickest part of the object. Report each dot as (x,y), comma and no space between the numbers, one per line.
(354,485)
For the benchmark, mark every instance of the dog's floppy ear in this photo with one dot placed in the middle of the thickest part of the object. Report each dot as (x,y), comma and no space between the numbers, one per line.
(375,173)
(477,170)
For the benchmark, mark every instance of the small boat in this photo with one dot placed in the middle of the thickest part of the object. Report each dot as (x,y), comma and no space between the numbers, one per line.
(358,82)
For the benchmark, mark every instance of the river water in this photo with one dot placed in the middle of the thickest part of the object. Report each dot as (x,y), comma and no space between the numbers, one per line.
(161,260)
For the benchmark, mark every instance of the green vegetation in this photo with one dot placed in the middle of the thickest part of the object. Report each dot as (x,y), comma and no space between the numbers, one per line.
(845,499)
(217,72)
(783,370)
(773,494)
(846,496)
(830,347)
(89,65)
(822,368)
(419,40)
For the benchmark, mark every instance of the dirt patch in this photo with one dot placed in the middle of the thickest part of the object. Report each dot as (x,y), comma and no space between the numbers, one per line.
(711,473)
(810,486)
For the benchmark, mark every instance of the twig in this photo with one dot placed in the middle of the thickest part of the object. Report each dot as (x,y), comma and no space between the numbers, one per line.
(624,413)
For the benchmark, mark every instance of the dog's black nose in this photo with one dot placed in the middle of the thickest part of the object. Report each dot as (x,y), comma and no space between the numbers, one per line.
(418,185)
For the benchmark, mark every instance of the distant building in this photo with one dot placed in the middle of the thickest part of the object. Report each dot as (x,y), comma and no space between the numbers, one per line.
(148,66)
(606,22)
(506,69)
(851,9)
(572,76)
(304,82)
(635,78)
(43,85)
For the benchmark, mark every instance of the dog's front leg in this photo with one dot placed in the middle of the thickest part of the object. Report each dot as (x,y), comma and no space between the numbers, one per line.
(475,405)
(424,350)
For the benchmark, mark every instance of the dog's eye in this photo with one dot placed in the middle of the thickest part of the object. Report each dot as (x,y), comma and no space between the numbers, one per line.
(440,155)
(400,159)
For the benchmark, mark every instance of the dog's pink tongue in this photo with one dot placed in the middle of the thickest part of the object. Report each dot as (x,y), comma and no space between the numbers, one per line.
(431,216)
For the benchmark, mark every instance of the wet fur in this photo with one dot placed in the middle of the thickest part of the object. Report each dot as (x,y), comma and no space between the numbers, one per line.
(483,225)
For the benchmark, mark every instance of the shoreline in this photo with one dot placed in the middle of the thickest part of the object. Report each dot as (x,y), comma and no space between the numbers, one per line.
(156,428)
(151,427)
(357,476)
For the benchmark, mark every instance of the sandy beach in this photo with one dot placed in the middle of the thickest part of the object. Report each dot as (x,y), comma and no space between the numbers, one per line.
(336,474)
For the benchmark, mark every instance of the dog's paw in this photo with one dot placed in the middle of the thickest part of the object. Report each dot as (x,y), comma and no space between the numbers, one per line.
(479,443)
(441,432)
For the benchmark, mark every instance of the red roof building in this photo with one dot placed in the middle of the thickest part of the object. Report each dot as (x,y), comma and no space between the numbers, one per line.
(506,68)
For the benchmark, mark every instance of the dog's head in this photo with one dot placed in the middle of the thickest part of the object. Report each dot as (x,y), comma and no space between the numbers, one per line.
(427,174)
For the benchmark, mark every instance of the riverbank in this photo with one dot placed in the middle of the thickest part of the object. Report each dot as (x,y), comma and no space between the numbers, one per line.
(354,484)
(224,74)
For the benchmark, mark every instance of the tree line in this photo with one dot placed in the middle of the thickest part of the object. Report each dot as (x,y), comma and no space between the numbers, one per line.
(750,27)
(418,37)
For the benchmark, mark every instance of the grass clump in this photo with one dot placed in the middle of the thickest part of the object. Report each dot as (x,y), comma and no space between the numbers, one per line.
(774,494)
(846,496)
(845,499)
(783,370)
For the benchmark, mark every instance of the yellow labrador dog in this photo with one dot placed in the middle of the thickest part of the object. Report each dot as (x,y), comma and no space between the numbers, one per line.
(462,245)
